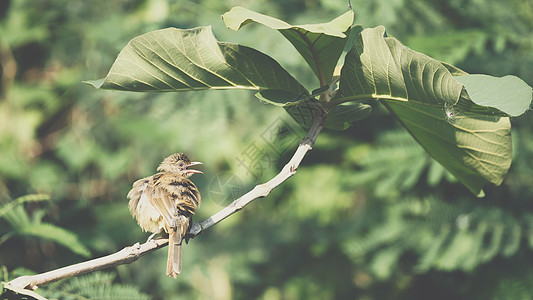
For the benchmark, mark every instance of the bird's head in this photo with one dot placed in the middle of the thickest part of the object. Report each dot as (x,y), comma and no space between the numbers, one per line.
(179,163)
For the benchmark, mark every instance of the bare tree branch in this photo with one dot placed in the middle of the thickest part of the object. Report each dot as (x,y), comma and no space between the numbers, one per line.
(262,190)
(132,253)
(124,256)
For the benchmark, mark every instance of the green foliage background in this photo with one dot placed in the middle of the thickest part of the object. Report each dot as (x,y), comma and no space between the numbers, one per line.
(368,215)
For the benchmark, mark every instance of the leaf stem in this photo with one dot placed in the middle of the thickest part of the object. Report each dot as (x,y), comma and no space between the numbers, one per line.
(335,102)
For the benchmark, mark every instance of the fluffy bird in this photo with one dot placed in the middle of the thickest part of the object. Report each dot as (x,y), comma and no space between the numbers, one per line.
(166,202)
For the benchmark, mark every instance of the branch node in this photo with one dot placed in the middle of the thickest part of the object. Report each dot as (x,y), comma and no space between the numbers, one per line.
(308,142)
(195,229)
(293,169)
(261,191)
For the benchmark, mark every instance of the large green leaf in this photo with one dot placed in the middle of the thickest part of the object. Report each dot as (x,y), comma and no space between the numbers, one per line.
(472,142)
(320,44)
(185,60)
(509,94)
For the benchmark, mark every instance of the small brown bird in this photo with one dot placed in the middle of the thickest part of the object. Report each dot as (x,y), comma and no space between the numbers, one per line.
(166,201)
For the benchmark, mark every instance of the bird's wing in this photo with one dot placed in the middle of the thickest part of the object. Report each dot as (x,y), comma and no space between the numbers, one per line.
(174,196)
(136,193)
(162,199)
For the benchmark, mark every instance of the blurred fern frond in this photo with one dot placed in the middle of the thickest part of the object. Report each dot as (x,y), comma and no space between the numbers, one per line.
(97,285)
(22,224)
(397,163)
(513,288)
(21,200)
(445,236)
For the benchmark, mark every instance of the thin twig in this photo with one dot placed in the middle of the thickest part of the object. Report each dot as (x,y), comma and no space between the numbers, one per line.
(132,253)
(262,190)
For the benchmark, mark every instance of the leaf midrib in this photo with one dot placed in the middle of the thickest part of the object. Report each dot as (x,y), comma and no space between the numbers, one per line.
(312,49)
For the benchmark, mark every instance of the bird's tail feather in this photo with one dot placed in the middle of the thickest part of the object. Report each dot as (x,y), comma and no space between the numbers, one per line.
(174,254)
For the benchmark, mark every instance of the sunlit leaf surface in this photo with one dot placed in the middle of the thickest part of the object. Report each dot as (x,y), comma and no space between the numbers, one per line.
(185,60)
(432,105)
(320,44)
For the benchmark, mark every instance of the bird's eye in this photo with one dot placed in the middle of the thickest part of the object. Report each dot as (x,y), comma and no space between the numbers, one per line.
(180,165)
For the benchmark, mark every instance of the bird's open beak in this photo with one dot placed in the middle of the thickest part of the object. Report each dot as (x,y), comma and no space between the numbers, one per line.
(194,163)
